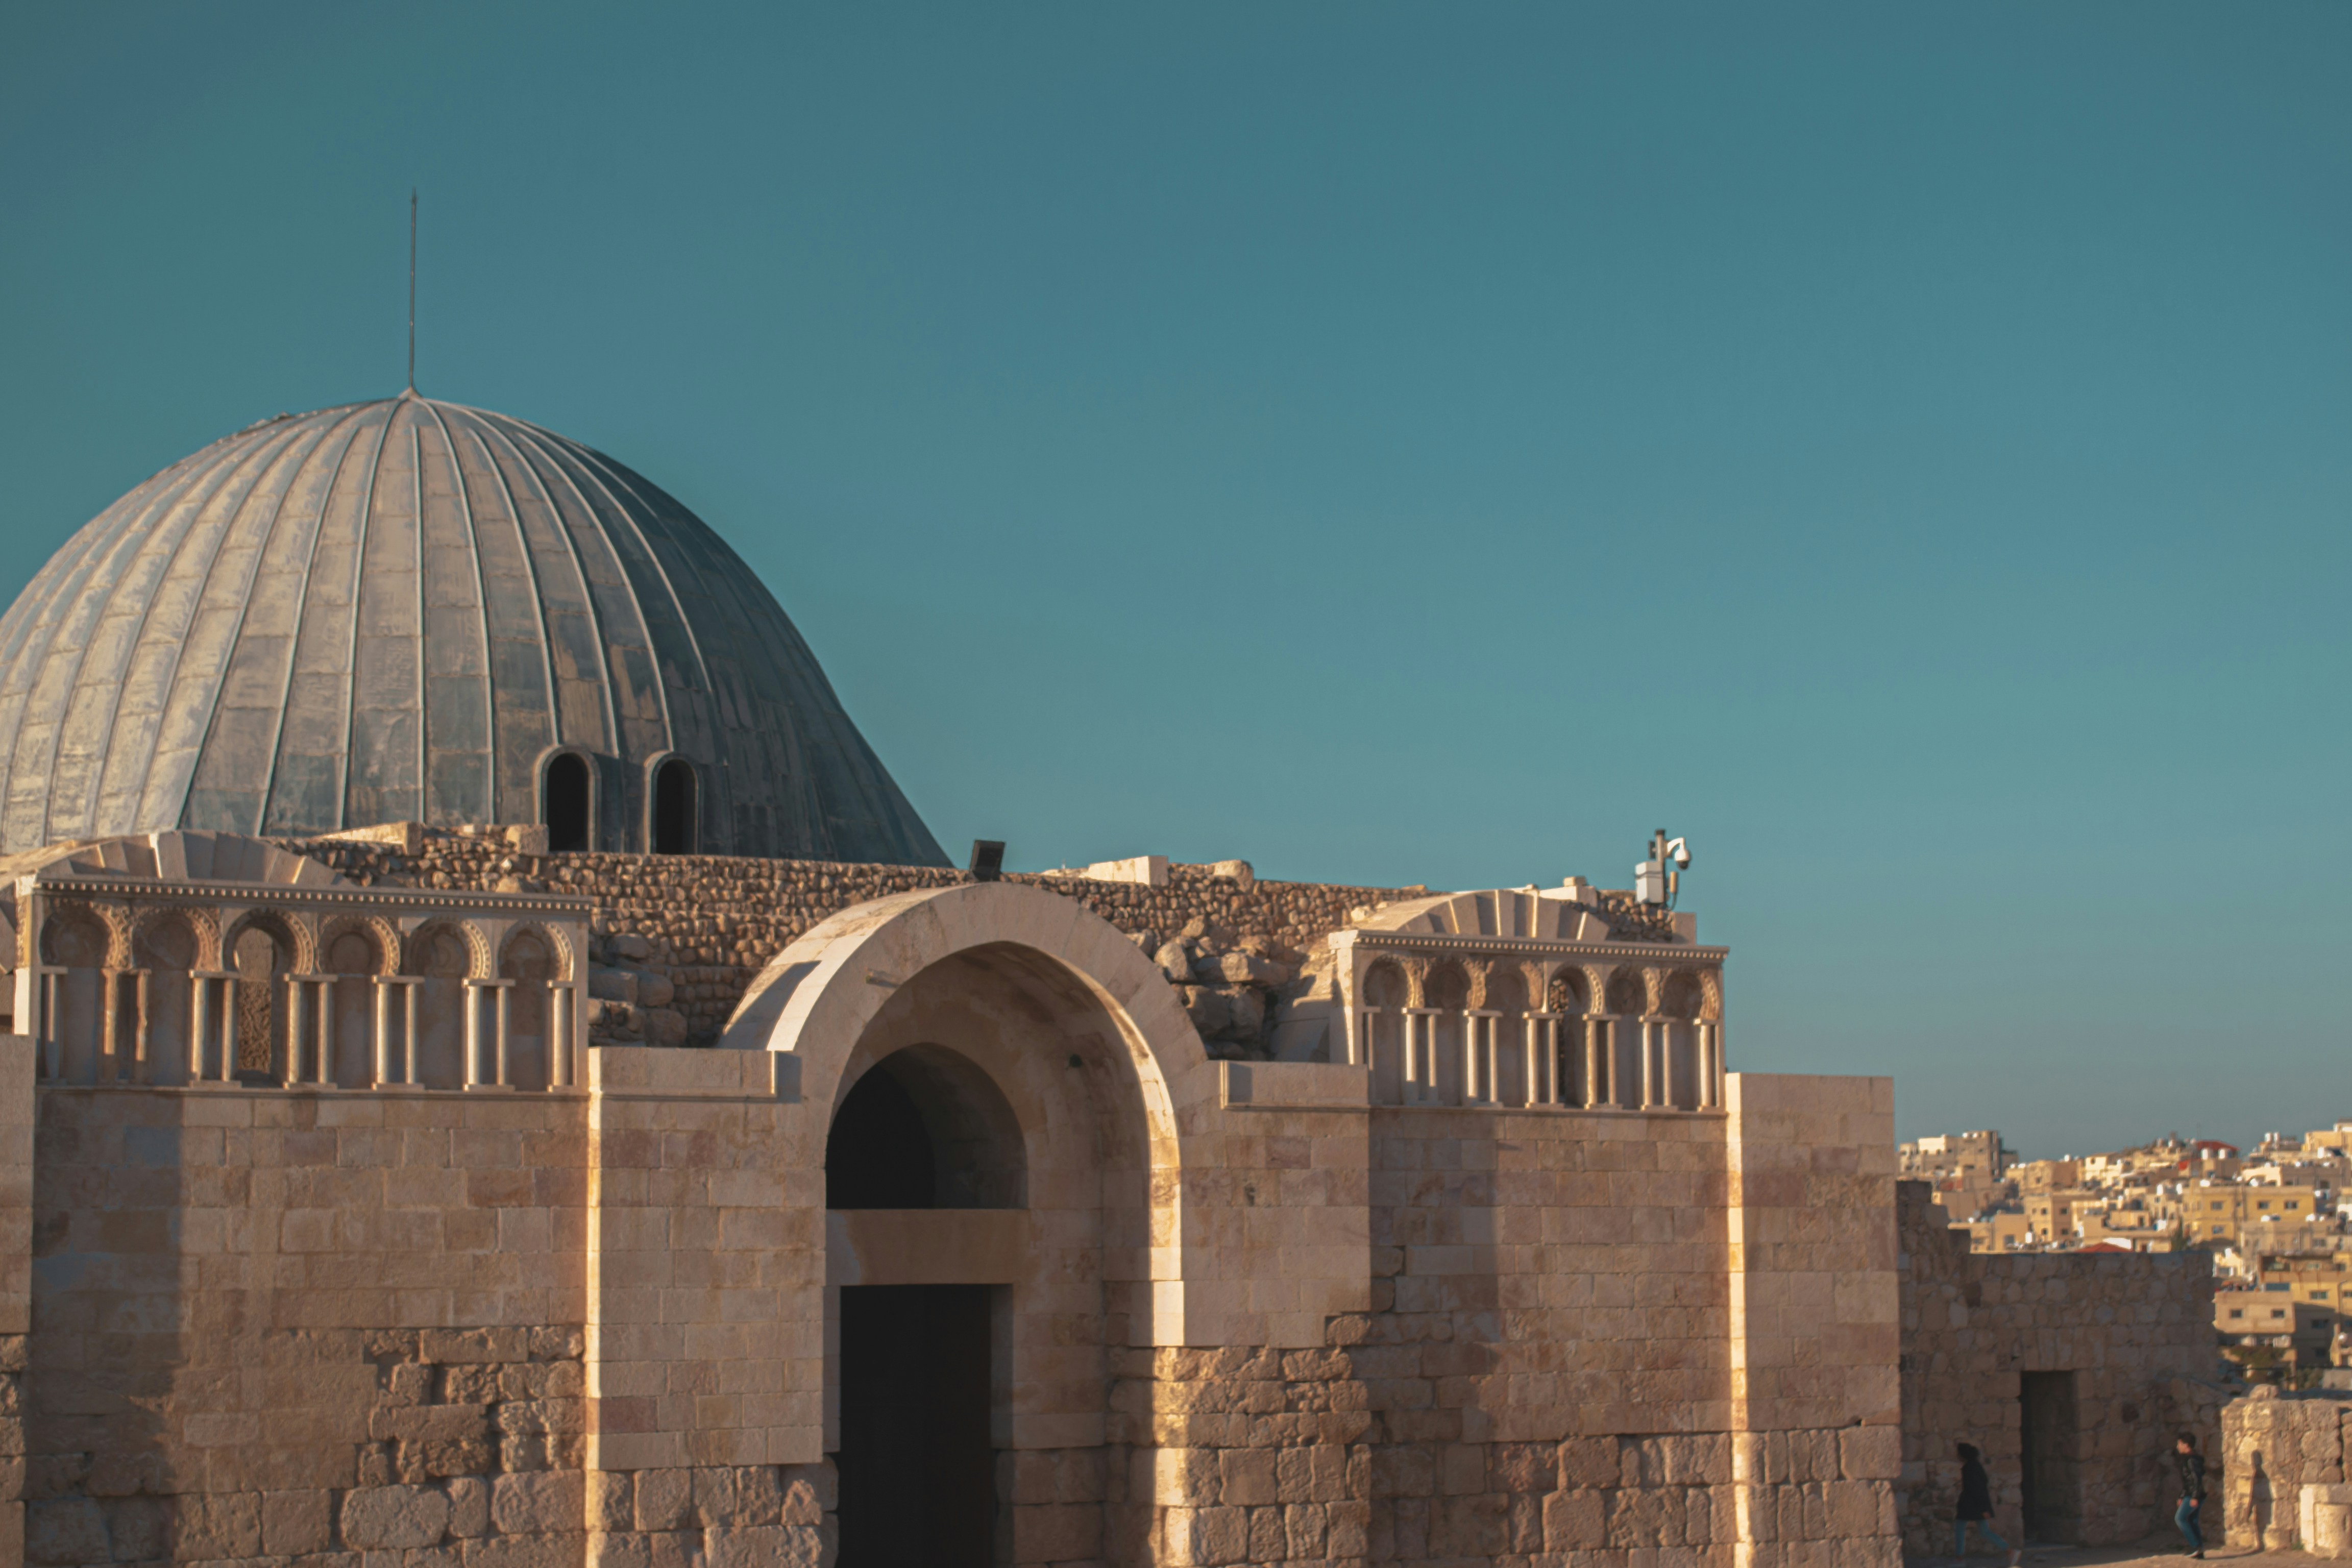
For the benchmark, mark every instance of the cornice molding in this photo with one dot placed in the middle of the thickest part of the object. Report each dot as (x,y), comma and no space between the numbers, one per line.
(191,892)
(1532,946)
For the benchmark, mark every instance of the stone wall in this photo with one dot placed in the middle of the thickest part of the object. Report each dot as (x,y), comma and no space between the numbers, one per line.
(212,1375)
(2274,1445)
(1546,1367)
(2135,1328)
(684,935)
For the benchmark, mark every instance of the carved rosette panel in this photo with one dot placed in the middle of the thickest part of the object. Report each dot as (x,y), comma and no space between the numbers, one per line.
(375,928)
(559,948)
(480,962)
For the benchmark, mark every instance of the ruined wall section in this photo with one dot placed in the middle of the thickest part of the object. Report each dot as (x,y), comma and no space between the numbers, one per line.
(2135,1328)
(2275,1445)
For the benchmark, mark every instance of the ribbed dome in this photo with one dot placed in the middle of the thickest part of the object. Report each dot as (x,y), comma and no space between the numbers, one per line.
(403,611)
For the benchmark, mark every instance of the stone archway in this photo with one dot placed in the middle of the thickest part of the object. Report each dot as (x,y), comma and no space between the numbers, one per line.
(1003,1015)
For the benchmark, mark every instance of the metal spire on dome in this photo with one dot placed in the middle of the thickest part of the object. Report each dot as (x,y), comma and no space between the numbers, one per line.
(412,288)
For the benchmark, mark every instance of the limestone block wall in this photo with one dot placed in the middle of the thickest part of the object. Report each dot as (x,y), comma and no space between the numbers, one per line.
(269,1322)
(2135,1329)
(1548,1362)
(2274,1445)
(295,1324)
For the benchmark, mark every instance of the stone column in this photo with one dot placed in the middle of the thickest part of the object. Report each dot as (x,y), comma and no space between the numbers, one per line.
(1541,1074)
(559,1035)
(229,1028)
(199,1008)
(380,1042)
(322,1026)
(109,1066)
(1420,1055)
(293,1073)
(141,1067)
(1600,1062)
(1480,1051)
(500,1077)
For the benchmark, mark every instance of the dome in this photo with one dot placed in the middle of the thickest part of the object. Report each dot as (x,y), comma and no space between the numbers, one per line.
(409,610)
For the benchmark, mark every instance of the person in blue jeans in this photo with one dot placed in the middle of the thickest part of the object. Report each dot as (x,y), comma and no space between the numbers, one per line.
(2192,1494)
(1975,1507)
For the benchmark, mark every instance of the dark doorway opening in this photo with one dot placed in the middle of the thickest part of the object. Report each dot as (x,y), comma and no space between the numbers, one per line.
(2050,1483)
(565,802)
(673,807)
(878,1155)
(917,1477)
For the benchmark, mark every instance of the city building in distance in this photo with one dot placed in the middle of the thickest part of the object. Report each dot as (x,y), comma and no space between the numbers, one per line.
(2268,1220)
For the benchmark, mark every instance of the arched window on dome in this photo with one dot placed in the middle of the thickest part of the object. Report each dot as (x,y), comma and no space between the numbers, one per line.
(676,807)
(567,803)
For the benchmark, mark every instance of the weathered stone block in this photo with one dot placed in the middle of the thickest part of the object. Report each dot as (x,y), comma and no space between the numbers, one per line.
(1870,1453)
(469,1507)
(219,1524)
(385,1517)
(542,1502)
(66,1531)
(764,1546)
(1268,1539)
(295,1522)
(1246,1477)
(1575,1520)
(664,1498)
(610,1500)
(1588,1462)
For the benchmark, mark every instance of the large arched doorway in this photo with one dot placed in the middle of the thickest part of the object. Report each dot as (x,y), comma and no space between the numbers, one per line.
(988,1174)
(924,1129)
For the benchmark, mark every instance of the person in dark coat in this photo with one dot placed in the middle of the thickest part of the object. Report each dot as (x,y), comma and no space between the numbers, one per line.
(2192,1494)
(1975,1507)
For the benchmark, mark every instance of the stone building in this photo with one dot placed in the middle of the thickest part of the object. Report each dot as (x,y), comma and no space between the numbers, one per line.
(2072,1372)
(386,1188)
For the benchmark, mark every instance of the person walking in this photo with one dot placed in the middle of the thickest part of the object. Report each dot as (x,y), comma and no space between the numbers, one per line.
(1975,1507)
(2192,1494)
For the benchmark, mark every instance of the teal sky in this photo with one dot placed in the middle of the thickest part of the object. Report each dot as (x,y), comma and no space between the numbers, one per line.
(1905,448)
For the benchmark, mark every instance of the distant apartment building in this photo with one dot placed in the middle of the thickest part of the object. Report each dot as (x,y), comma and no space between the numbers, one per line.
(2268,1330)
(2336,1140)
(2047,1175)
(2162,1197)
(2000,1233)
(2051,1216)
(2256,1217)
(2321,1280)
(1955,1154)
(2142,1223)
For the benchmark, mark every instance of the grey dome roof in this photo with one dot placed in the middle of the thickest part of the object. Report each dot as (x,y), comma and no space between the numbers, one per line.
(398,611)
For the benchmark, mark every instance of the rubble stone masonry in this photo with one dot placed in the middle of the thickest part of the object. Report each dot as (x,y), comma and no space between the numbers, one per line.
(699,926)
(2285,1457)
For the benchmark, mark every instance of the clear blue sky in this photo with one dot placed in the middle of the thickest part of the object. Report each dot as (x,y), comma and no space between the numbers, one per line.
(1905,448)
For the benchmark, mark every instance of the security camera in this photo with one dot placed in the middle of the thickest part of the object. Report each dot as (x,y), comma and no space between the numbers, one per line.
(1680,851)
